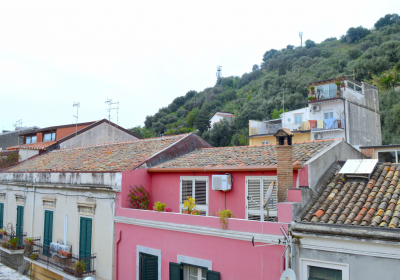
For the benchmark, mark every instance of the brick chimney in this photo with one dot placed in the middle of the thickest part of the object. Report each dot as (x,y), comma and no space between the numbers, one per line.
(284,158)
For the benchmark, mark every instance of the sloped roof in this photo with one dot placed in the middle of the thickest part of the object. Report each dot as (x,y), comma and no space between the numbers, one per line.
(373,203)
(33,146)
(110,157)
(262,155)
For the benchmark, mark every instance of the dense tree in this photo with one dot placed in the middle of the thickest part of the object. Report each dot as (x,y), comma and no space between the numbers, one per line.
(354,53)
(290,47)
(355,34)
(202,122)
(255,67)
(310,44)
(387,20)
(191,117)
(190,94)
(268,54)
(219,135)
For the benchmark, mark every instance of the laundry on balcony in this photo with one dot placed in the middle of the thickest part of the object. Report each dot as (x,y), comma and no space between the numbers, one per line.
(330,123)
(320,124)
(342,123)
(313,124)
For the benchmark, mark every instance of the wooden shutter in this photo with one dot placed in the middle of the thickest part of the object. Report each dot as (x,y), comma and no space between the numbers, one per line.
(273,210)
(85,240)
(1,214)
(48,231)
(254,191)
(200,192)
(20,220)
(213,275)
(175,271)
(148,267)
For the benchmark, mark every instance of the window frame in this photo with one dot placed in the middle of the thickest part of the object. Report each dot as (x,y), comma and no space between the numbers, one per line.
(298,115)
(193,178)
(328,111)
(261,178)
(148,251)
(265,142)
(306,263)
(51,136)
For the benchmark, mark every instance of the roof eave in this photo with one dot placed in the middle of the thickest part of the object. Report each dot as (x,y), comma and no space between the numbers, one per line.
(219,169)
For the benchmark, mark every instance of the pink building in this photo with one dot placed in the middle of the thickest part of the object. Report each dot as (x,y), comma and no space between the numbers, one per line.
(162,245)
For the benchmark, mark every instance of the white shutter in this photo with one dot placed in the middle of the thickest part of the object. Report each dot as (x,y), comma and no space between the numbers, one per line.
(254,197)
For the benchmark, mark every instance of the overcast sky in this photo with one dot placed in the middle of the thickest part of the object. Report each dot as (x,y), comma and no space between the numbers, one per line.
(143,54)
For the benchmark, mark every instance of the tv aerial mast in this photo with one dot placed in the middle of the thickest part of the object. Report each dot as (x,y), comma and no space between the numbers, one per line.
(77,105)
(219,75)
(18,123)
(301,38)
(110,103)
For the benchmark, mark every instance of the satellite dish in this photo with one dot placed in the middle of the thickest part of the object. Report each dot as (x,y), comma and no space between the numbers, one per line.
(288,274)
(269,193)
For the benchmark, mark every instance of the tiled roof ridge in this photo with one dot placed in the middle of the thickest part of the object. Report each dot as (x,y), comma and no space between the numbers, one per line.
(121,142)
(249,146)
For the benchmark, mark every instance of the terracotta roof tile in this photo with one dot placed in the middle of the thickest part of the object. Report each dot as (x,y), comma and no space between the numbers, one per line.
(375,203)
(118,156)
(244,155)
(34,146)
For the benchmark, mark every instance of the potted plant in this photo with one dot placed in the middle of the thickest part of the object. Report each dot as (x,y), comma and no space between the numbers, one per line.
(80,267)
(158,206)
(189,205)
(168,210)
(224,215)
(196,212)
(3,232)
(311,88)
(4,244)
(343,85)
(64,253)
(29,241)
(13,242)
(33,257)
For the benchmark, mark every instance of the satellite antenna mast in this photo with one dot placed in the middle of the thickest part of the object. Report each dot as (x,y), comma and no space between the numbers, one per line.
(77,105)
(17,123)
(219,68)
(110,103)
(301,38)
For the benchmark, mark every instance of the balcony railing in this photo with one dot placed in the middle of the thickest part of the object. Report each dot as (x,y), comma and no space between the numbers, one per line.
(77,266)
(337,124)
(12,241)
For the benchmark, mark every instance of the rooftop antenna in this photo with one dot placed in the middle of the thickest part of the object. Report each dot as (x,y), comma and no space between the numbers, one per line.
(219,68)
(17,123)
(354,75)
(110,103)
(283,104)
(77,105)
(301,38)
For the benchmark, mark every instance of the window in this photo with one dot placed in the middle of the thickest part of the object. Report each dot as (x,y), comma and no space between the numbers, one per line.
(85,240)
(196,187)
(317,273)
(183,271)
(49,137)
(194,273)
(298,119)
(389,156)
(328,115)
(48,231)
(148,267)
(264,142)
(256,188)
(30,139)
(354,86)
(326,91)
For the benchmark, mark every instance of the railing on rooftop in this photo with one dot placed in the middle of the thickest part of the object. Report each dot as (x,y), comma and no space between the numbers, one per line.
(337,124)
(74,265)
(12,241)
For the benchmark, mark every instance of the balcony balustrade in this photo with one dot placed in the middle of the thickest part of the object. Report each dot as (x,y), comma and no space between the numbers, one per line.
(337,124)
(11,242)
(67,264)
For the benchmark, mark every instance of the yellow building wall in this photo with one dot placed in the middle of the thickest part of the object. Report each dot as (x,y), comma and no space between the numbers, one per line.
(41,273)
(298,137)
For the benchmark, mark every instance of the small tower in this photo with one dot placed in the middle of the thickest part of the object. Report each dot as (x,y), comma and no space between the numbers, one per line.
(219,68)
(284,161)
(301,38)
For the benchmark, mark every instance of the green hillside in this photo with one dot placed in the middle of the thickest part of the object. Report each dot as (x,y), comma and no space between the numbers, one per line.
(374,55)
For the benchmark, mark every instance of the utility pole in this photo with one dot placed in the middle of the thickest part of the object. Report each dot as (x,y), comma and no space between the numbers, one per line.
(77,105)
(283,103)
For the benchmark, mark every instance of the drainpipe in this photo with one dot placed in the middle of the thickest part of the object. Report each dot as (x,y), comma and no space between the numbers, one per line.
(33,210)
(345,120)
(116,255)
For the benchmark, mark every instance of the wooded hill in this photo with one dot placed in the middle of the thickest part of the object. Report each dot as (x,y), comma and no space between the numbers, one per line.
(374,55)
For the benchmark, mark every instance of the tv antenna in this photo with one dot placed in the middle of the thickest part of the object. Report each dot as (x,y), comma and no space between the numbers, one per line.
(283,104)
(17,124)
(110,103)
(219,68)
(354,75)
(77,105)
(301,38)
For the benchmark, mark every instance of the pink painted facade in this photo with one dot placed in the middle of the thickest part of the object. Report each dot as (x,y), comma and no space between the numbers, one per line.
(200,237)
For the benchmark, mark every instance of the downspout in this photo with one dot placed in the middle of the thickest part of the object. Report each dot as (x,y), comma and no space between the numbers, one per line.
(345,120)
(33,210)
(116,255)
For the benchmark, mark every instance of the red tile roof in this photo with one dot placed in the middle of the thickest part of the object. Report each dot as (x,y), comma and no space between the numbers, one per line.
(34,146)
(373,203)
(263,155)
(111,157)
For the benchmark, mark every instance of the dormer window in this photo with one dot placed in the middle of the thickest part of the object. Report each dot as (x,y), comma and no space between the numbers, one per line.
(30,139)
(49,137)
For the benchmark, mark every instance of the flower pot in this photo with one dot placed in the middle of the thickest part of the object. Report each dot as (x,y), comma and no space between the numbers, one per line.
(29,242)
(3,233)
(154,208)
(185,212)
(342,85)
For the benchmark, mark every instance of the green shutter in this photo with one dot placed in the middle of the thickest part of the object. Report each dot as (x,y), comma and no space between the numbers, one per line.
(48,231)
(1,214)
(20,220)
(213,275)
(85,240)
(148,267)
(175,271)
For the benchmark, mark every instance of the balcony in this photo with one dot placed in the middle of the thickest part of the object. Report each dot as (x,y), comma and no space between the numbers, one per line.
(70,266)
(320,125)
(12,243)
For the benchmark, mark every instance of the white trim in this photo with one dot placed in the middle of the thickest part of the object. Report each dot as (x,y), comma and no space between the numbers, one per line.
(305,263)
(261,178)
(194,178)
(150,251)
(194,261)
(222,233)
(395,150)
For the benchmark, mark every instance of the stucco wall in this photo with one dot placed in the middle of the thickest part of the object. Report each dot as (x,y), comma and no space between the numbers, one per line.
(27,153)
(100,134)
(298,137)
(9,139)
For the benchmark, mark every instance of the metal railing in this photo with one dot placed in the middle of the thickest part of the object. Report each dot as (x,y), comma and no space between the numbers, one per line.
(338,124)
(77,266)
(12,241)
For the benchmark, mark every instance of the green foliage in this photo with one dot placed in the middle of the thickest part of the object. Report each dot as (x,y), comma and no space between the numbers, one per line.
(202,122)
(191,117)
(138,197)
(390,116)
(387,20)
(9,160)
(159,206)
(355,34)
(310,44)
(219,135)
(276,114)
(224,215)
(241,137)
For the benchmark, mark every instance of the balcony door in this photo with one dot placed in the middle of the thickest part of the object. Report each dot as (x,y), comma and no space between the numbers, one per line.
(85,241)
(48,231)
(20,220)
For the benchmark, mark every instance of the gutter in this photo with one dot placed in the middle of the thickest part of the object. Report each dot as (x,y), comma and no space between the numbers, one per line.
(390,234)
(219,169)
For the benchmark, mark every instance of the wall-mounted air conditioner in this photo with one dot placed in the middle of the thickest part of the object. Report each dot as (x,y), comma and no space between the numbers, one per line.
(222,182)
(318,136)
(64,248)
(316,108)
(54,247)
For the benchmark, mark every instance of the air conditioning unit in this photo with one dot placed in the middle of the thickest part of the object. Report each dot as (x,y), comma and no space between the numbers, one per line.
(222,182)
(54,247)
(316,108)
(318,136)
(64,248)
